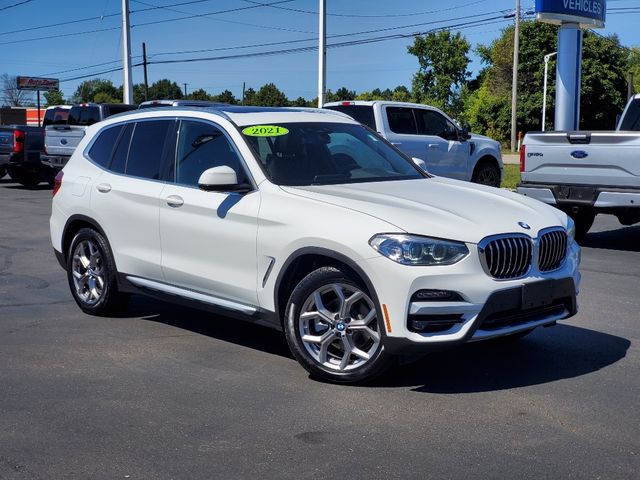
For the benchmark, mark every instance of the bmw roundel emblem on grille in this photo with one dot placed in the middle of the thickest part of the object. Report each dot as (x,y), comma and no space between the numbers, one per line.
(524,225)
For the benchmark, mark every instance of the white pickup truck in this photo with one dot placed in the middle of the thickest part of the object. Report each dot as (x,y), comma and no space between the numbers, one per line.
(424,132)
(62,138)
(586,173)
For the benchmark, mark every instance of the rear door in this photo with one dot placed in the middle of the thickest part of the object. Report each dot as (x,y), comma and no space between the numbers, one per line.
(209,238)
(126,196)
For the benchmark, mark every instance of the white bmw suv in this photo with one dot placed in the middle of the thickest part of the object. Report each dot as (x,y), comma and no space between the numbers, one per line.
(307,221)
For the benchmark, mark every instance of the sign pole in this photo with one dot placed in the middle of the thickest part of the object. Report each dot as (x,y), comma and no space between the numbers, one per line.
(38,95)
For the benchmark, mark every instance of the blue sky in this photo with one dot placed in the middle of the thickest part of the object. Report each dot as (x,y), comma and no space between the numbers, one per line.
(358,67)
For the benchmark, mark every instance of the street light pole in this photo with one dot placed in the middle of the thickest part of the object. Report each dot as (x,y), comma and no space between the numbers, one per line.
(514,86)
(544,88)
(127,85)
(322,53)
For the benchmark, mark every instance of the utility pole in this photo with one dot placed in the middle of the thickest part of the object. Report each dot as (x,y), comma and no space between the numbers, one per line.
(185,89)
(144,65)
(322,53)
(514,80)
(244,84)
(127,85)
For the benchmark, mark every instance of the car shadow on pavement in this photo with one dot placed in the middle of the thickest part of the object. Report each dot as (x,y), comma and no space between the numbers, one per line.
(227,329)
(625,239)
(545,355)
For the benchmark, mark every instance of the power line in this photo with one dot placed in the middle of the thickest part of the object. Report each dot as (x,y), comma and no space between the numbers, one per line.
(355,15)
(15,5)
(460,26)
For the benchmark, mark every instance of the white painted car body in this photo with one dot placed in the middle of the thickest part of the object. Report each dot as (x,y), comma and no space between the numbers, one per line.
(232,251)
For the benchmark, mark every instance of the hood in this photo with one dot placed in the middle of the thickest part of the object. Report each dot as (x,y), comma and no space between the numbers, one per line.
(482,138)
(440,207)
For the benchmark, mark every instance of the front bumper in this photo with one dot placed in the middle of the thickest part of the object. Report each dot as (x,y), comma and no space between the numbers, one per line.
(482,308)
(568,195)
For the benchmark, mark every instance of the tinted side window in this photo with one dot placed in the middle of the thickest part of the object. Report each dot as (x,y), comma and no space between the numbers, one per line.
(401,120)
(360,113)
(122,150)
(202,146)
(147,145)
(103,146)
(115,109)
(433,123)
(631,120)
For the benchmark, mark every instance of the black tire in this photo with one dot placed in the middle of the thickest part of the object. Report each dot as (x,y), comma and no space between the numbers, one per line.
(96,292)
(486,173)
(584,221)
(3,172)
(358,328)
(26,178)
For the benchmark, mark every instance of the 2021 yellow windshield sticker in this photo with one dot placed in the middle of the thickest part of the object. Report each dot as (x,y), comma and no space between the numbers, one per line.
(265,131)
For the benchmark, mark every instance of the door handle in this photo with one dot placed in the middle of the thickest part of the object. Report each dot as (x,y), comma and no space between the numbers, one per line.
(395,144)
(103,188)
(433,145)
(175,201)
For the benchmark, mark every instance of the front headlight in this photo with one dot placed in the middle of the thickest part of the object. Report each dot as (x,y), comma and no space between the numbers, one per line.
(571,228)
(416,250)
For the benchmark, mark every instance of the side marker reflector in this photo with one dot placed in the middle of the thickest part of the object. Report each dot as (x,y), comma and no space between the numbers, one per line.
(386,317)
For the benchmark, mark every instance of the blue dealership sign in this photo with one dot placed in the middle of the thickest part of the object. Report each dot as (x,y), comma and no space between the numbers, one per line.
(588,13)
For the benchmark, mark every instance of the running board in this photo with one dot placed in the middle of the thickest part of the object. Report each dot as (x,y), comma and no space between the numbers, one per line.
(191,295)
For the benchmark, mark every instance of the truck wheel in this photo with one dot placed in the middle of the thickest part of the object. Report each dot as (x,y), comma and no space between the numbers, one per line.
(332,328)
(25,178)
(3,172)
(584,221)
(487,174)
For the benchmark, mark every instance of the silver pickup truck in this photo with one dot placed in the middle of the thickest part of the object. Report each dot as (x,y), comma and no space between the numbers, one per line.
(60,140)
(586,173)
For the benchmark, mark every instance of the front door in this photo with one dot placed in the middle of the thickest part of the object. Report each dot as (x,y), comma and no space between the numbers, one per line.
(208,238)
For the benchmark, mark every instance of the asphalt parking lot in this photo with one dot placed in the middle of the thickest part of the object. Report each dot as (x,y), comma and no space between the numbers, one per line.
(169,392)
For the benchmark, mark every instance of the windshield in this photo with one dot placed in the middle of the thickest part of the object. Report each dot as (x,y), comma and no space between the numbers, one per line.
(631,120)
(326,153)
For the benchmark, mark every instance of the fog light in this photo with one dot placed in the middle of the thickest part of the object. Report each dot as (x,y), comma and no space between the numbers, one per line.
(436,296)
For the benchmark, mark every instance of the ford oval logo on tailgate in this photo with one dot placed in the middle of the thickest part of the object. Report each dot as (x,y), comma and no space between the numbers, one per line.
(579,154)
(63,141)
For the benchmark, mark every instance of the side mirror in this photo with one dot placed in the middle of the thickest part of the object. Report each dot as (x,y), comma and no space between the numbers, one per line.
(221,179)
(464,132)
(420,163)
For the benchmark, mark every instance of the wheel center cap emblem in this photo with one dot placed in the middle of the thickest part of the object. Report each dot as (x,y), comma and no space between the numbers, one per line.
(341,326)
(524,225)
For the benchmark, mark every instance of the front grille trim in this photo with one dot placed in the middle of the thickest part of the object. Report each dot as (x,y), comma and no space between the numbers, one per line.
(553,244)
(507,256)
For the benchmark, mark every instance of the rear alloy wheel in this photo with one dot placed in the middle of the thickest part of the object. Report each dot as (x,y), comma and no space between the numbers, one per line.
(332,328)
(487,174)
(92,275)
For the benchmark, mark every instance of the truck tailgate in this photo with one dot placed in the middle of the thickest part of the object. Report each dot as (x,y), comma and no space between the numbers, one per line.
(6,141)
(62,139)
(587,158)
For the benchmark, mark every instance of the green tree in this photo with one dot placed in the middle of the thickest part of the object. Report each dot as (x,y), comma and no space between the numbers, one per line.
(249,97)
(299,102)
(634,67)
(226,96)
(53,98)
(603,85)
(164,89)
(401,94)
(443,59)
(103,89)
(270,96)
(344,93)
(199,94)
(138,93)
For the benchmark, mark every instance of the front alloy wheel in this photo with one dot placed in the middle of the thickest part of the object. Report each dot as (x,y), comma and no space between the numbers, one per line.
(332,328)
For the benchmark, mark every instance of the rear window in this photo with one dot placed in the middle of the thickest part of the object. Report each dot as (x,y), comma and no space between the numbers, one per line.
(102,148)
(360,113)
(631,120)
(115,109)
(84,115)
(147,145)
(55,116)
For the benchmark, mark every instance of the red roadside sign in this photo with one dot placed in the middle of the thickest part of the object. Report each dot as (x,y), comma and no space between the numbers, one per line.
(38,83)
